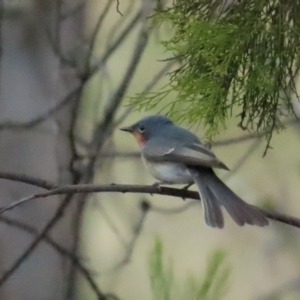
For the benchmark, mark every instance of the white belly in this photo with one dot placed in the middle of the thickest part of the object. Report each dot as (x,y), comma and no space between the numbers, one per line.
(169,172)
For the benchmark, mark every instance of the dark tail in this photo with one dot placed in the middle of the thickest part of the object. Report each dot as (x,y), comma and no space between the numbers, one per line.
(214,193)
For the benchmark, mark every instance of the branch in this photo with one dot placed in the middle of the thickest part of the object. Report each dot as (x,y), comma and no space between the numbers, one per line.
(42,117)
(104,129)
(42,235)
(52,111)
(47,185)
(8,273)
(141,189)
(96,32)
(250,136)
(115,45)
(156,78)
(129,248)
(60,249)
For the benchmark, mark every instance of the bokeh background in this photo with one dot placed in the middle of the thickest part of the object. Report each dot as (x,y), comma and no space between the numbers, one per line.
(47,54)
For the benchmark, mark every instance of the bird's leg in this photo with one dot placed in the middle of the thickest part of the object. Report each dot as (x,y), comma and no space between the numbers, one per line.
(185,188)
(160,183)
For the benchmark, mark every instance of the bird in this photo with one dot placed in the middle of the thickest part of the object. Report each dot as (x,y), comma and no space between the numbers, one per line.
(174,155)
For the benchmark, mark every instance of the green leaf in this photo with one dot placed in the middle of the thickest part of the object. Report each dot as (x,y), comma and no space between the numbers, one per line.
(213,286)
(245,60)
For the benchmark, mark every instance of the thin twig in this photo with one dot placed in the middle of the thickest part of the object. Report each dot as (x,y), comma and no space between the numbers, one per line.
(118,9)
(156,78)
(57,51)
(57,216)
(104,129)
(130,246)
(96,33)
(244,138)
(60,249)
(76,176)
(143,189)
(42,117)
(47,185)
(110,223)
(113,30)
(6,275)
(134,21)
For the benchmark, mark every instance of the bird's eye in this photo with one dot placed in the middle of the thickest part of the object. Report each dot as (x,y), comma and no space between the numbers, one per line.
(142,128)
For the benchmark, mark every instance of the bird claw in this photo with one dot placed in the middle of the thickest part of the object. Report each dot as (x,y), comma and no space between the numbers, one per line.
(157,184)
(185,188)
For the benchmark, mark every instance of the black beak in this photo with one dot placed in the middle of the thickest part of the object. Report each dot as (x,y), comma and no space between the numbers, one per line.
(127,129)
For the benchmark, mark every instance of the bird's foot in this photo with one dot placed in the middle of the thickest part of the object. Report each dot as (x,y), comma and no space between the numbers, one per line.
(157,184)
(185,188)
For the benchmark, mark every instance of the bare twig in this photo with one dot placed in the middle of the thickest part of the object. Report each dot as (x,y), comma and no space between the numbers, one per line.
(143,189)
(110,223)
(96,33)
(76,176)
(76,227)
(60,249)
(244,138)
(47,185)
(118,7)
(134,21)
(43,117)
(57,50)
(156,78)
(6,275)
(102,132)
(39,119)
(145,207)
(57,216)
(118,24)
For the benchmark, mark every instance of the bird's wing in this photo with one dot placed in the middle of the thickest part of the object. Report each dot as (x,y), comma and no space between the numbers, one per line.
(194,154)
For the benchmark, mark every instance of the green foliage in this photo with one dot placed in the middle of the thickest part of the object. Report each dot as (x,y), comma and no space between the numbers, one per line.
(244,58)
(161,279)
(213,286)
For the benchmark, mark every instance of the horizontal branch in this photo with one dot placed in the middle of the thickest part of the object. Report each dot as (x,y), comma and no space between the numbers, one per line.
(11,125)
(60,249)
(47,185)
(121,188)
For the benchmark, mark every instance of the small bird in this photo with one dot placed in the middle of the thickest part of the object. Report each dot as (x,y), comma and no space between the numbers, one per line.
(175,155)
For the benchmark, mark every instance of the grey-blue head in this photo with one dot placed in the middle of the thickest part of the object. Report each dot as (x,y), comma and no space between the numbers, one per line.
(144,128)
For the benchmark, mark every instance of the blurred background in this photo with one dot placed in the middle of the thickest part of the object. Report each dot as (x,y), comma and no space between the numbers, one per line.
(68,69)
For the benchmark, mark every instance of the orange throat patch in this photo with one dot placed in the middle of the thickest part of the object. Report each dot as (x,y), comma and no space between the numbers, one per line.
(139,138)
